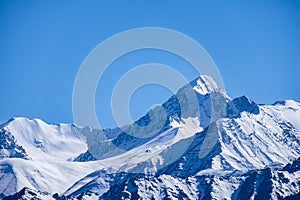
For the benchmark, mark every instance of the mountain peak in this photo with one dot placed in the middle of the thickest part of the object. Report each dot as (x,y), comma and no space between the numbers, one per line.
(22,121)
(210,147)
(244,103)
(206,84)
(290,103)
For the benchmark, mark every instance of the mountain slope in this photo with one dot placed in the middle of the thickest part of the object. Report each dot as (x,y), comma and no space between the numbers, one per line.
(264,183)
(39,156)
(209,147)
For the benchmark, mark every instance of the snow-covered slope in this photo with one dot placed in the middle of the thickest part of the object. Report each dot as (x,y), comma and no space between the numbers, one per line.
(214,148)
(39,156)
(44,141)
(263,183)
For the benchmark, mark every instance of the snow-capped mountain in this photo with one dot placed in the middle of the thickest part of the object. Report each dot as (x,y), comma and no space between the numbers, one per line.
(209,147)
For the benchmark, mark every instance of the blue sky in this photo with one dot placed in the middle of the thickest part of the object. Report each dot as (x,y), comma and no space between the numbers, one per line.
(255,44)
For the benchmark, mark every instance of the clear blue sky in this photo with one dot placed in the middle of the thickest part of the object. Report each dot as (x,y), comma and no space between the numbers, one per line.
(255,44)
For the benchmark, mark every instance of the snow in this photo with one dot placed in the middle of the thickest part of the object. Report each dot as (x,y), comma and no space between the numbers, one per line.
(291,113)
(48,176)
(285,188)
(153,189)
(266,137)
(49,167)
(206,85)
(254,141)
(47,142)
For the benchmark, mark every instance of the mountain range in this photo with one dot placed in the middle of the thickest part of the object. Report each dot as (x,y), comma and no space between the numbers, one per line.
(202,144)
